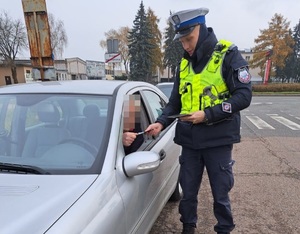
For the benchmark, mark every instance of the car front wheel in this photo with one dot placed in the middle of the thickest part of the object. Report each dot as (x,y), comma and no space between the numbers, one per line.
(177,194)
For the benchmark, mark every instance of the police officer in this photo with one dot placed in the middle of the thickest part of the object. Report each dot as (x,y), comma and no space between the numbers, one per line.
(212,86)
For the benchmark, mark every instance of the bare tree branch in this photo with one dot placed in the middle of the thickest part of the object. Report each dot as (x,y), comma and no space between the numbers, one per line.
(59,38)
(13,39)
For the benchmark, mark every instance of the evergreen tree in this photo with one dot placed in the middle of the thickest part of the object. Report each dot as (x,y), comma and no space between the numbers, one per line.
(277,38)
(295,60)
(173,50)
(140,47)
(296,37)
(291,71)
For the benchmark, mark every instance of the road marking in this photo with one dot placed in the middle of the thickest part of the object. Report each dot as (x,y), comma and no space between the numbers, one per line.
(288,123)
(261,103)
(259,123)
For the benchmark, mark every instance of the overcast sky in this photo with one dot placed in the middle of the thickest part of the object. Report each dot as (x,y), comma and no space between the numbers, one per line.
(86,21)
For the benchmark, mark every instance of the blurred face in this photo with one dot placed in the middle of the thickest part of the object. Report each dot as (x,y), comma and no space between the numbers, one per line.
(189,42)
(131,111)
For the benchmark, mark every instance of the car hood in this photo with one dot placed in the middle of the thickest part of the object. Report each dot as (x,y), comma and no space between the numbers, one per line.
(32,203)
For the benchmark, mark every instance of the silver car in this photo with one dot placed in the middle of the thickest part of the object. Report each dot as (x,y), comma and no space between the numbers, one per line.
(63,167)
(166,88)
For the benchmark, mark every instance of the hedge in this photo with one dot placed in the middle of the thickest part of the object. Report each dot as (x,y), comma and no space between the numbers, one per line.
(278,87)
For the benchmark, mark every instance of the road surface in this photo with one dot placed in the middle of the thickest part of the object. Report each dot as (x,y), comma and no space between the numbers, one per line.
(266,195)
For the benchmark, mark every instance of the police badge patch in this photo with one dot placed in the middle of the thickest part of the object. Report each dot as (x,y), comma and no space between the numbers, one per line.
(226,107)
(243,75)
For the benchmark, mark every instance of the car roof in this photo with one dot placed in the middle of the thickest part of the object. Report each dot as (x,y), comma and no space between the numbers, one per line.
(105,87)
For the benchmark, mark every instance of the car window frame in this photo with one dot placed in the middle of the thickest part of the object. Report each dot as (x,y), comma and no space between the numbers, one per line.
(148,117)
(152,115)
(148,104)
(145,120)
(153,119)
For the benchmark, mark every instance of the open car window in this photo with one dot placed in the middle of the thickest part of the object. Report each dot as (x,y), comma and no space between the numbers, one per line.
(154,104)
(136,120)
(151,106)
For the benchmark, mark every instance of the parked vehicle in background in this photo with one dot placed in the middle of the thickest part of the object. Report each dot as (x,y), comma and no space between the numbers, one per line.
(62,163)
(166,88)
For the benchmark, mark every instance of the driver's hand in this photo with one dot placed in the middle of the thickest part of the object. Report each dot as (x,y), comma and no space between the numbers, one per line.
(128,138)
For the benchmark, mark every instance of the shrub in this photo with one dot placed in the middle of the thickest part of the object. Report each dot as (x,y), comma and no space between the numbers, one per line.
(123,77)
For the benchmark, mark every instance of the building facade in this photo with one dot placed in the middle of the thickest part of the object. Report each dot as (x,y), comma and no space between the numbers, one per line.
(255,77)
(67,69)
(24,72)
(78,69)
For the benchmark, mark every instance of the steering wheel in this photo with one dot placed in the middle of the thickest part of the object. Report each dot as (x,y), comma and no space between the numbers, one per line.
(91,148)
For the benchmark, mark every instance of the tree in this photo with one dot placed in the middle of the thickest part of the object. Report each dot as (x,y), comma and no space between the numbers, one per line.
(291,71)
(13,39)
(173,50)
(277,38)
(296,37)
(122,36)
(156,52)
(58,35)
(140,47)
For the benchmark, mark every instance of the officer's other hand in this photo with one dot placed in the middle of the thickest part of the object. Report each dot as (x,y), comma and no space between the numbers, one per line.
(128,138)
(154,129)
(195,118)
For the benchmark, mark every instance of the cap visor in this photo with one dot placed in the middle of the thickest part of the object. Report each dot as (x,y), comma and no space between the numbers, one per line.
(183,33)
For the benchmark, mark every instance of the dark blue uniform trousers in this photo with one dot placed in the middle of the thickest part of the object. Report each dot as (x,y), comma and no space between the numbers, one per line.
(218,163)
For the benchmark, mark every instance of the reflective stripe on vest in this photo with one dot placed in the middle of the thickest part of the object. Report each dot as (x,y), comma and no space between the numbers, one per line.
(205,89)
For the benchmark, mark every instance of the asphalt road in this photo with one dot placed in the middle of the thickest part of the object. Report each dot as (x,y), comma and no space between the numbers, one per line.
(266,195)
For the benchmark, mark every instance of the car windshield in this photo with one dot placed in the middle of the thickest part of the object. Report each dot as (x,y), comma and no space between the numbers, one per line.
(52,133)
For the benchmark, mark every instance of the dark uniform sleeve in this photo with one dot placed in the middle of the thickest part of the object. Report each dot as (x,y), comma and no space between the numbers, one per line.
(173,106)
(238,79)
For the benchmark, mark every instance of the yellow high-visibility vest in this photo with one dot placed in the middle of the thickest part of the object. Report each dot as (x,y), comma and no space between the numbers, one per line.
(205,89)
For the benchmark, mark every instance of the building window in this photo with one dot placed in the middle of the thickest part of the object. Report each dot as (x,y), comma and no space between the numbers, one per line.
(27,74)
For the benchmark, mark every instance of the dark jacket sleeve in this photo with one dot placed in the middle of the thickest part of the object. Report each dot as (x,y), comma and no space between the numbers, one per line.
(173,106)
(240,90)
(136,143)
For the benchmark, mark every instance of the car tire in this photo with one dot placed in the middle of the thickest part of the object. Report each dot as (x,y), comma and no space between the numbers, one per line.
(177,194)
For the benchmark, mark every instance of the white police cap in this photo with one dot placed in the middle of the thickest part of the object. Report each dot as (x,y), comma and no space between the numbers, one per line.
(185,21)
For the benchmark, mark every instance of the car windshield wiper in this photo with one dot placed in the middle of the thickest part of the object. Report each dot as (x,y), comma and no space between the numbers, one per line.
(17,168)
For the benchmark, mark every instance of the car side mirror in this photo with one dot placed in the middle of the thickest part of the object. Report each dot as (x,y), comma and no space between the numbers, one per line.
(140,163)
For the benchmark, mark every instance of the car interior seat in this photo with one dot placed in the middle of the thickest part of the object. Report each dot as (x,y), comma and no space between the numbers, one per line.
(43,137)
(95,124)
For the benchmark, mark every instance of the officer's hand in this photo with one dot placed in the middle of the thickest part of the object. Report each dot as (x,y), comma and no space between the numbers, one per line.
(128,138)
(195,118)
(154,129)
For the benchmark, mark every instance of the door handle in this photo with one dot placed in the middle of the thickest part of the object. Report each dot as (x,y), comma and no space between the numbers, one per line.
(162,154)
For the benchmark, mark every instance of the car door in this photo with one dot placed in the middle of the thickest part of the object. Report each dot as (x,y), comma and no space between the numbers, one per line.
(163,144)
(145,195)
